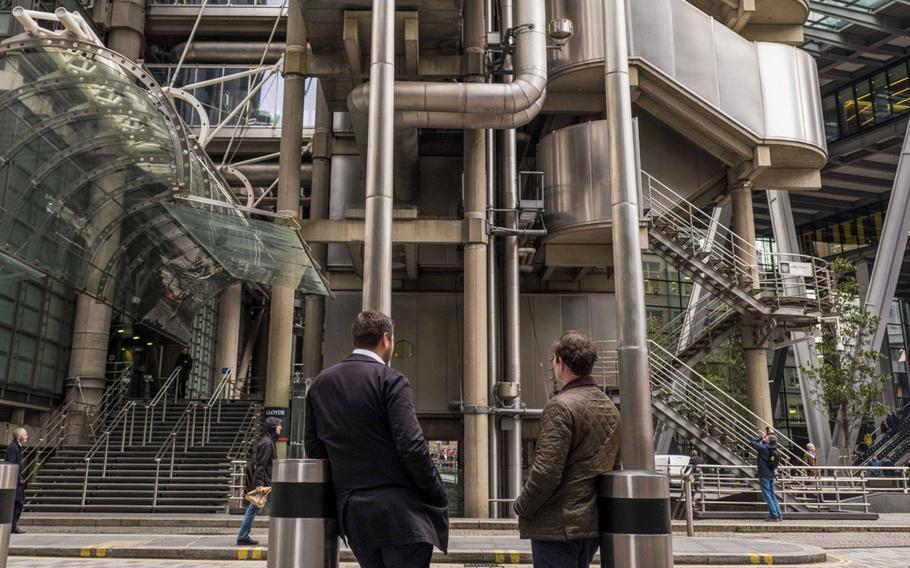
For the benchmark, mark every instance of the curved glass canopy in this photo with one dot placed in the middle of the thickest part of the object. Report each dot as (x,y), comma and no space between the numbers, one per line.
(94,162)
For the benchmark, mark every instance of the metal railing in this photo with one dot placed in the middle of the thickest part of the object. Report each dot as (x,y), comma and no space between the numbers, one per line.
(778,279)
(714,412)
(186,425)
(244,440)
(54,433)
(148,421)
(124,419)
(895,447)
(886,442)
(698,320)
(816,488)
(224,389)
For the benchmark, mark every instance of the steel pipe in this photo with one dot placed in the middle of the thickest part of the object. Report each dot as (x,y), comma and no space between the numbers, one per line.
(635,520)
(471,106)
(377,255)
(637,429)
(230,51)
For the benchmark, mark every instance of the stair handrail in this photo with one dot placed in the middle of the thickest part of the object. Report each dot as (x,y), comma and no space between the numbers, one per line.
(126,417)
(736,419)
(148,422)
(223,389)
(708,313)
(53,434)
(186,423)
(112,400)
(729,250)
(881,441)
(246,436)
(896,440)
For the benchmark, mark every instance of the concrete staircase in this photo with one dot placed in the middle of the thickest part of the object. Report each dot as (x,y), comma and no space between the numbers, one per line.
(201,476)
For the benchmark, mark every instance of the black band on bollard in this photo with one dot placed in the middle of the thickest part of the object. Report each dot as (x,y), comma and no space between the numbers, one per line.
(302,501)
(634,516)
(7,504)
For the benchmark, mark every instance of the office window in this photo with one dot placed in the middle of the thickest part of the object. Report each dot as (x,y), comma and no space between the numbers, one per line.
(881,96)
(847,109)
(899,87)
(864,107)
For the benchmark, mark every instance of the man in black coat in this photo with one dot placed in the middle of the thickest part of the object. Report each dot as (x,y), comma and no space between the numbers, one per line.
(14,455)
(392,504)
(185,364)
(260,475)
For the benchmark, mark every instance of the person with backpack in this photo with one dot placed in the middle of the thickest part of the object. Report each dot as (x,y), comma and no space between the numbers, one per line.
(258,475)
(769,458)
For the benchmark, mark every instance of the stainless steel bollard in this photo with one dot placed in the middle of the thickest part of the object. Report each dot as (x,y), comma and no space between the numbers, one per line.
(9,475)
(635,520)
(303,529)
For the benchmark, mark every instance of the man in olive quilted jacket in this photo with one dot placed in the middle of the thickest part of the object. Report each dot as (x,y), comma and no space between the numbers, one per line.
(578,441)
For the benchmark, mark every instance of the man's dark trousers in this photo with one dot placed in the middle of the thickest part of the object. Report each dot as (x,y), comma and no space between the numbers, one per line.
(564,553)
(416,555)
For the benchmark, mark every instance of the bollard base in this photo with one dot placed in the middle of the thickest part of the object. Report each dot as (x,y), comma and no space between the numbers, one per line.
(636,551)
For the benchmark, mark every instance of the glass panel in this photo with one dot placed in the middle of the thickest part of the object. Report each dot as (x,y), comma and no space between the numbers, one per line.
(847,109)
(881,97)
(865,114)
(252,250)
(900,89)
(829,109)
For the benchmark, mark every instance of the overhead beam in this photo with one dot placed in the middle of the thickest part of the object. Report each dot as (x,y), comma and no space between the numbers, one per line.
(421,231)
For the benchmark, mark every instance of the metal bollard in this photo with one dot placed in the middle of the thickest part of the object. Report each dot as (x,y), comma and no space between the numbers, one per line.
(9,476)
(303,529)
(635,520)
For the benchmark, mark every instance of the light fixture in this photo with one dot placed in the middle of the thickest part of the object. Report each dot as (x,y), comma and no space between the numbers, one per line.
(121,331)
(150,344)
(135,338)
(561,31)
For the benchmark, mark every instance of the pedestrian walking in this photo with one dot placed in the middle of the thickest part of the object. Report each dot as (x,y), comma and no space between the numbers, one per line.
(259,477)
(769,458)
(392,504)
(184,365)
(14,455)
(579,440)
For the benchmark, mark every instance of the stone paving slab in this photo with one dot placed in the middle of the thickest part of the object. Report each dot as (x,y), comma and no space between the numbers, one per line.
(498,549)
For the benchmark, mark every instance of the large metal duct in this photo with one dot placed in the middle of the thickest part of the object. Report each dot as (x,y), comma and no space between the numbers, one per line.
(229,52)
(470,106)
(264,174)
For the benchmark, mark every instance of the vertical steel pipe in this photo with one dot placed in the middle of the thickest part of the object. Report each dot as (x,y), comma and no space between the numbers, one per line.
(476,386)
(319,209)
(632,347)
(377,254)
(281,310)
(511,283)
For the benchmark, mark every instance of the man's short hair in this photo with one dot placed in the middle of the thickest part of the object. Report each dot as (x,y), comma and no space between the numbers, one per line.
(18,432)
(772,439)
(577,352)
(369,327)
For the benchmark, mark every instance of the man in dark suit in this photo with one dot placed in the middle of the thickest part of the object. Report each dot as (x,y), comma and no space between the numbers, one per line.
(392,504)
(14,455)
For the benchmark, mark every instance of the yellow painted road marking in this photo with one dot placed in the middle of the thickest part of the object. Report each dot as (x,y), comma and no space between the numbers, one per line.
(85,552)
(101,551)
(257,554)
(500,557)
(516,556)
(769,560)
(242,553)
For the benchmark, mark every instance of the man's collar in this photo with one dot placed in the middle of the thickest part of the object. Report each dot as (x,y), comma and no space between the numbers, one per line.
(578,382)
(371,354)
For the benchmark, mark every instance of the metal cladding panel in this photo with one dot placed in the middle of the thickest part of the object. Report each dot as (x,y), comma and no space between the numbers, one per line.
(346,191)
(771,90)
(740,88)
(693,42)
(577,175)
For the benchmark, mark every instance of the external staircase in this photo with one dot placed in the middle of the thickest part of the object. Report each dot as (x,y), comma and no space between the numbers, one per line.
(164,455)
(893,447)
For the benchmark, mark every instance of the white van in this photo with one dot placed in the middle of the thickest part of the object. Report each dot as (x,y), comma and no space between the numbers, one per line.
(673,465)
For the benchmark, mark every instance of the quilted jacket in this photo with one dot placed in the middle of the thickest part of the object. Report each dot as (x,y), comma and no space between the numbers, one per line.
(579,440)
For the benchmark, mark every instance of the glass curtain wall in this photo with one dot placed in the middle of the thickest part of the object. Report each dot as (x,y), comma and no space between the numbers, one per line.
(867,102)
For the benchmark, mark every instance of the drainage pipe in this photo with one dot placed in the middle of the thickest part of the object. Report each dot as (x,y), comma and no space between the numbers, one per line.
(377,256)
(471,106)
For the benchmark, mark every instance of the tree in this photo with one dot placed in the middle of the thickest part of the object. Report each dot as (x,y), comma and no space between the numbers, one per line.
(725,367)
(848,381)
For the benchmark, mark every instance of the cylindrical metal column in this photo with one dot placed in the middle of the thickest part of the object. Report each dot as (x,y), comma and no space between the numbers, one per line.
(319,209)
(476,387)
(377,251)
(744,227)
(9,476)
(511,289)
(632,347)
(758,385)
(635,520)
(126,27)
(281,310)
(303,529)
(228,346)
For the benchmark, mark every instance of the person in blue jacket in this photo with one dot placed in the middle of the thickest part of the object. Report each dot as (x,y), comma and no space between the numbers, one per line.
(769,457)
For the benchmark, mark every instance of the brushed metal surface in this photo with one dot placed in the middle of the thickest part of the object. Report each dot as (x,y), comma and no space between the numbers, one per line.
(4,543)
(301,471)
(769,89)
(634,484)
(636,551)
(9,473)
(297,543)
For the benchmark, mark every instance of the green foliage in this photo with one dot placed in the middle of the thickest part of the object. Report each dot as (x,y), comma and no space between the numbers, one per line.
(848,380)
(725,367)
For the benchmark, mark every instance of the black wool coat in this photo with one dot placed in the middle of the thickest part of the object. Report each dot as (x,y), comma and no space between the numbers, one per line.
(360,416)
